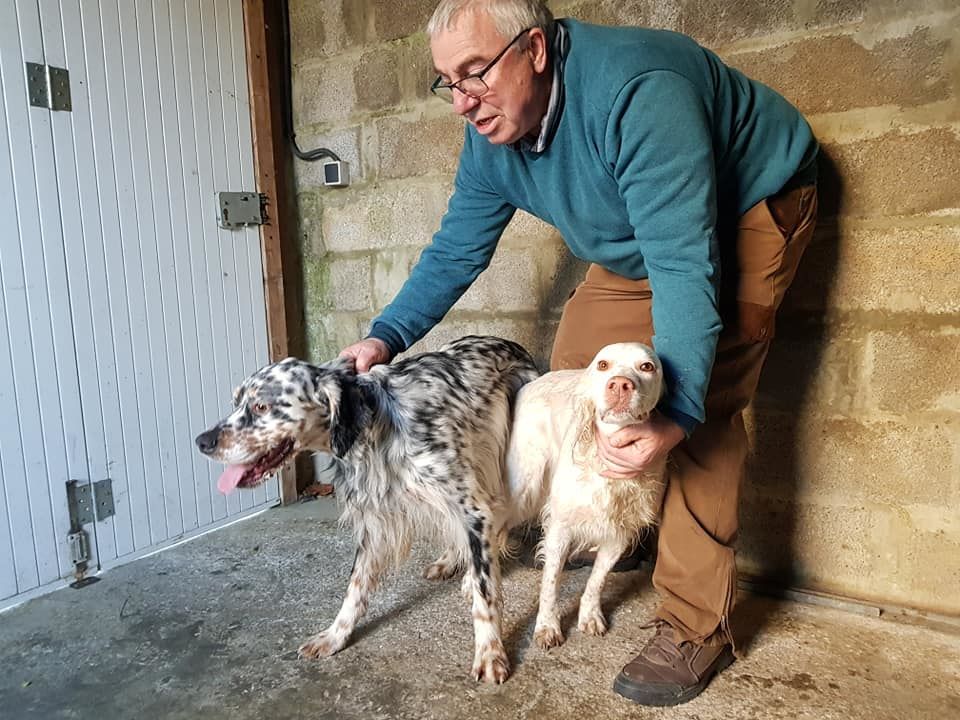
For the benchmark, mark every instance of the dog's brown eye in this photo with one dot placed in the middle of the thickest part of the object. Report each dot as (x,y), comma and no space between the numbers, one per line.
(603,365)
(260,408)
(647,367)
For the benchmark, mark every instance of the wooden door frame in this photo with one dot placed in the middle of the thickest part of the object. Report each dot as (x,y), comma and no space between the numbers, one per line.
(263,29)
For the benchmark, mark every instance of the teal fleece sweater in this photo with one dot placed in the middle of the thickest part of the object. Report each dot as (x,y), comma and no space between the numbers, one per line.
(658,142)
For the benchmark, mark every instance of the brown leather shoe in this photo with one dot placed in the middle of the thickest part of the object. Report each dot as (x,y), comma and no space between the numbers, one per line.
(667,673)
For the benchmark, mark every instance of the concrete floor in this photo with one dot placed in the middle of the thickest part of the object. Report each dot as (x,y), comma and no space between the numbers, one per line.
(209,629)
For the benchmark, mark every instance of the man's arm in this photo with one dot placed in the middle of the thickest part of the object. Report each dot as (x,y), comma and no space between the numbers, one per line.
(469,232)
(658,141)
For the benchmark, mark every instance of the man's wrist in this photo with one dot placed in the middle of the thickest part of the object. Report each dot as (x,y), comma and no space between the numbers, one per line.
(686,422)
(388,336)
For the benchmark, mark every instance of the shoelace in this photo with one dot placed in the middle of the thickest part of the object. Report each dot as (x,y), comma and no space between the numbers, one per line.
(662,649)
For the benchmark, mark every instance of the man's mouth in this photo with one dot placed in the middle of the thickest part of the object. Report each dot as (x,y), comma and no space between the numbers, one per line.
(248,476)
(484,124)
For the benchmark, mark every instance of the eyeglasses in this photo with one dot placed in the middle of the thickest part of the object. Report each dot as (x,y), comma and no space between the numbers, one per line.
(472,85)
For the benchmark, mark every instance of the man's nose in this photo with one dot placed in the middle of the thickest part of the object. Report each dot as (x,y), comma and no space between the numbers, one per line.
(463,103)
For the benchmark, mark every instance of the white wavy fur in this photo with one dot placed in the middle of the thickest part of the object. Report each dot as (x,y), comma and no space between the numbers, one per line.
(553,468)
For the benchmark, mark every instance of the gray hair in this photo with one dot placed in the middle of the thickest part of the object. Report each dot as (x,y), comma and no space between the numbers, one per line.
(510,17)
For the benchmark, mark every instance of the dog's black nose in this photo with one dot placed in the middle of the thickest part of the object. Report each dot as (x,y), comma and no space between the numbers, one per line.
(207,441)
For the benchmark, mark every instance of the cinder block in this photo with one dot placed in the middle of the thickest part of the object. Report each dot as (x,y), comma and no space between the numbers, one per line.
(805,544)
(399,18)
(324,27)
(527,231)
(825,460)
(919,550)
(391,268)
(510,284)
(329,332)
(425,145)
(346,143)
(308,29)
(562,272)
(713,22)
(915,370)
(892,555)
(415,68)
(397,214)
(904,71)
(376,80)
(350,280)
(324,93)
(309,213)
(897,173)
(814,366)
(648,13)
(850,269)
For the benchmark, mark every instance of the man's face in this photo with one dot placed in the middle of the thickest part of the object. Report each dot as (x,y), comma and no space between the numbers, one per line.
(517,98)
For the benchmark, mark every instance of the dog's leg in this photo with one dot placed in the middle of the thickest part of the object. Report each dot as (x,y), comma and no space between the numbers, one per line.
(444,567)
(556,544)
(591,620)
(490,662)
(367,570)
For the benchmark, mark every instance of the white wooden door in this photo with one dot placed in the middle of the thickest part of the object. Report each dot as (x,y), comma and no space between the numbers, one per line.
(128,314)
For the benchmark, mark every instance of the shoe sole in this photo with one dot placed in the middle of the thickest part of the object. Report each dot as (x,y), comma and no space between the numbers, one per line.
(647,695)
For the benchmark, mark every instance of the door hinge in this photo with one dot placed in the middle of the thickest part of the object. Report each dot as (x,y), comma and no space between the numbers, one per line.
(86,502)
(89,502)
(240,209)
(49,87)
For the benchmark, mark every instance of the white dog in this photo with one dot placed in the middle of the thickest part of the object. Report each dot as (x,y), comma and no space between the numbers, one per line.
(554,468)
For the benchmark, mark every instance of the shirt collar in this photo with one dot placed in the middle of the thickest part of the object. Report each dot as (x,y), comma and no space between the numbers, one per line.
(548,126)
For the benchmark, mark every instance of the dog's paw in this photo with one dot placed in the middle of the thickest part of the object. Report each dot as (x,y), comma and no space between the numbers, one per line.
(466,587)
(440,570)
(548,636)
(592,622)
(320,645)
(490,665)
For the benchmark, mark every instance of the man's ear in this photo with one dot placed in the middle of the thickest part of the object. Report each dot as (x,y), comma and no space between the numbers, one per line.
(537,49)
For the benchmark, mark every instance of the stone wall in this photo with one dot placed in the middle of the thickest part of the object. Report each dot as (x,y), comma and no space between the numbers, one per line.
(854,483)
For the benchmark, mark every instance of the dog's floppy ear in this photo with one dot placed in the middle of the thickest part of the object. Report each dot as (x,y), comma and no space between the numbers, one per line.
(582,425)
(348,407)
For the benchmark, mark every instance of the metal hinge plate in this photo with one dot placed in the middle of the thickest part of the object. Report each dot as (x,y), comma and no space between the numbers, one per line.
(89,502)
(239,209)
(49,87)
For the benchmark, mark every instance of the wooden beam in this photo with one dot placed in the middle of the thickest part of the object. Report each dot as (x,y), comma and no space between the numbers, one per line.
(265,65)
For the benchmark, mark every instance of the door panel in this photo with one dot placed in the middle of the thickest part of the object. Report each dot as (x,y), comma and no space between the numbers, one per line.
(41,436)
(127,315)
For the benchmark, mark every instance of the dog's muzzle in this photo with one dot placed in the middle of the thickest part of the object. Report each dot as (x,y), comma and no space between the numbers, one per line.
(207,441)
(619,392)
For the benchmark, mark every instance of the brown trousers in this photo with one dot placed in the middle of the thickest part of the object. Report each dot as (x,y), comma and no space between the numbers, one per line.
(695,570)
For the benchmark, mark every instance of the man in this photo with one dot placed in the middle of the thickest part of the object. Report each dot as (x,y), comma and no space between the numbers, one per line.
(690,189)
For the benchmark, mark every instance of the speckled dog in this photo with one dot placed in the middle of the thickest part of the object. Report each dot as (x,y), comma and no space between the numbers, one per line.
(422,446)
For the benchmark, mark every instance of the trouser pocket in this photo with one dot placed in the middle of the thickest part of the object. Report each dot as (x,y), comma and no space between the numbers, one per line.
(770,240)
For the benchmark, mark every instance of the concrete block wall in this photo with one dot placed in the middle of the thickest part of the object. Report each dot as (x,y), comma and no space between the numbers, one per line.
(853,486)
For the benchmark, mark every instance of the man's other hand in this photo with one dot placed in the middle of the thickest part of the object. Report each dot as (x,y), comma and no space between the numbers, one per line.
(633,449)
(367,353)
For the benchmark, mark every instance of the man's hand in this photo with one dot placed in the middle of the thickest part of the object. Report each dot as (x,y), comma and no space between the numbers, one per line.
(633,449)
(367,353)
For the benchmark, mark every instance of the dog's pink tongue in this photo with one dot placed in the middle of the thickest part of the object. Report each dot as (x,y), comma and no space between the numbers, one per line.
(231,476)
